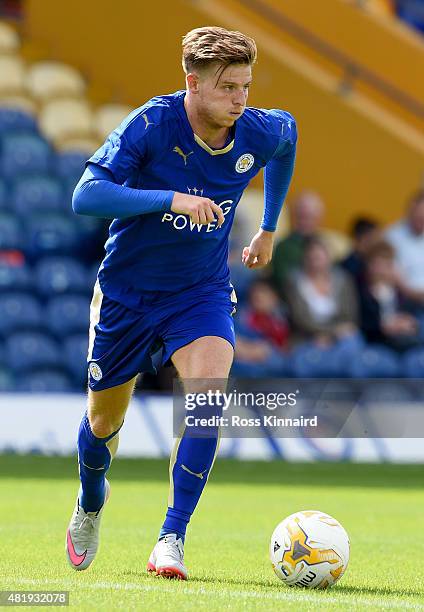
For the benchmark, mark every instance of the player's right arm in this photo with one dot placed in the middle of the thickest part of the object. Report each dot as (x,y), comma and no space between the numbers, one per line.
(98,195)
(101,191)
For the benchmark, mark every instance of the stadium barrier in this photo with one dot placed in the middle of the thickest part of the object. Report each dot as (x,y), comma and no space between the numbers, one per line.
(48,424)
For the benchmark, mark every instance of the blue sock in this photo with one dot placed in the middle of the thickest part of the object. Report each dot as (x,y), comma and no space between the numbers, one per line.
(94,460)
(193,462)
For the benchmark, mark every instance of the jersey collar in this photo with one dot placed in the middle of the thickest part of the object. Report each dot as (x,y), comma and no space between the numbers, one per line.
(207,148)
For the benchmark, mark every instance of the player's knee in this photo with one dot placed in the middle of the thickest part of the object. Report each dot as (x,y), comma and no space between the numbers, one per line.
(103,425)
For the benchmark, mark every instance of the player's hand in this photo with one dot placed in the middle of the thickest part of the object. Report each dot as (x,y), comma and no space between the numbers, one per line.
(200,210)
(259,253)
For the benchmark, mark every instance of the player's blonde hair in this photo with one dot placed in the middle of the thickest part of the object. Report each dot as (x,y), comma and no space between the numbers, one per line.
(213,45)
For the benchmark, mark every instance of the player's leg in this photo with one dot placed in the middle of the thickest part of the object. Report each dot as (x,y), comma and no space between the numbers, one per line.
(192,459)
(98,437)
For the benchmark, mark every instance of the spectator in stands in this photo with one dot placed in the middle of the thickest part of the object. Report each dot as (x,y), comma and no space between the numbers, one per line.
(321,298)
(364,233)
(264,314)
(306,213)
(262,333)
(407,239)
(382,318)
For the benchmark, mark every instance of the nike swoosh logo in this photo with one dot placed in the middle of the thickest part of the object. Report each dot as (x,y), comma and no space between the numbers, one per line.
(74,557)
(199,475)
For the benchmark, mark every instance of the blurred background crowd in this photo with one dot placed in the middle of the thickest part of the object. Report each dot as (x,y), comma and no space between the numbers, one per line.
(316,312)
(341,302)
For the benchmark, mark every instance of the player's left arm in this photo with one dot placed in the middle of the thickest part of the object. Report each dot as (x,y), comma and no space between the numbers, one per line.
(277,176)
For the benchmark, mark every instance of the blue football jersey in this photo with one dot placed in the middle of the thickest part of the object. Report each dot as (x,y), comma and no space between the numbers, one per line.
(155,148)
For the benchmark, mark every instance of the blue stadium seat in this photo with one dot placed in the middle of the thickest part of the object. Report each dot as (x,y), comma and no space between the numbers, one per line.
(11,232)
(44,381)
(23,152)
(16,119)
(75,353)
(376,361)
(32,350)
(4,196)
(37,192)
(7,381)
(70,165)
(19,311)
(311,361)
(51,234)
(93,234)
(92,274)
(15,277)
(68,314)
(413,363)
(57,275)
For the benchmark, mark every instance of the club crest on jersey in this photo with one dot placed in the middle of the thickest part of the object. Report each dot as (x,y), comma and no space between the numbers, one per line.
(95,371)
(244,163)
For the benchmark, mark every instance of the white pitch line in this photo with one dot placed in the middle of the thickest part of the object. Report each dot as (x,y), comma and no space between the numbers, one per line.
(193,590)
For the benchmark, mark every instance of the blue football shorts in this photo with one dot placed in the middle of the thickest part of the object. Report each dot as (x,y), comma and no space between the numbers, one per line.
(124,342)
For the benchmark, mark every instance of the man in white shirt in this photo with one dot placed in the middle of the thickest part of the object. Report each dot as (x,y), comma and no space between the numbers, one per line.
(407,238)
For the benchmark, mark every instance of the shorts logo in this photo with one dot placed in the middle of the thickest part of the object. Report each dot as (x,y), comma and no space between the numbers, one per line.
(244,163)
(95,371)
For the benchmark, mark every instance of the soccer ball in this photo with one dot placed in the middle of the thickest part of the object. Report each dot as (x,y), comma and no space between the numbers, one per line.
(309,549)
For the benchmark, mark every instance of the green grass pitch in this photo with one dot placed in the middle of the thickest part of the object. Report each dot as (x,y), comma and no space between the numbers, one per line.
(381,506)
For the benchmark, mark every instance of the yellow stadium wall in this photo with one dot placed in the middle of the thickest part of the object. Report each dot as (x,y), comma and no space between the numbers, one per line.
(380,44)
(133,48)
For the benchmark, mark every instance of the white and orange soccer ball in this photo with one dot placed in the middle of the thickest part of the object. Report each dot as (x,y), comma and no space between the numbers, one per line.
(309,549)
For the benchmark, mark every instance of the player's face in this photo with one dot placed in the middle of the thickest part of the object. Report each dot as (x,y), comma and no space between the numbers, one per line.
(222,96)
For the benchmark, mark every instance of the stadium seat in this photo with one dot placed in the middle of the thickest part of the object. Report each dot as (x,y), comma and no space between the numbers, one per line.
(58,275)
(413,363)
(41,192)
(32,350)
(4,196)
(75,354)
(11,232)
(70,165)
(49,79)
(9,39)
(15,277)
(12,75)
(66,118)
(7,382)
(68,314)
(108,117)
(23,153)
(50,234)
(375,361)
(19,311)
(311,361)
(13,118)
(44,381)
(92,274)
